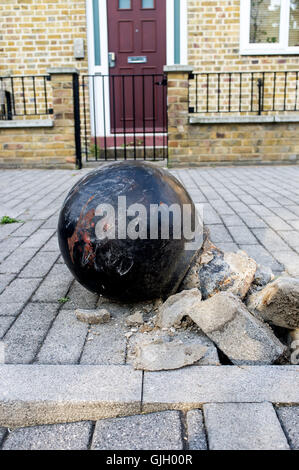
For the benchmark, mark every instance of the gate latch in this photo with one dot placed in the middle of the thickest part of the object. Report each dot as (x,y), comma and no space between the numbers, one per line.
(162,82)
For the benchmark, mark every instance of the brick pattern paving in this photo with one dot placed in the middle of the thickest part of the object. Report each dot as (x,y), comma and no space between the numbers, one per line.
(251,208)
(255,209)
(219,426)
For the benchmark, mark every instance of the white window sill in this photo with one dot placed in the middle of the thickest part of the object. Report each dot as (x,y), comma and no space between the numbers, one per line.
(269,51)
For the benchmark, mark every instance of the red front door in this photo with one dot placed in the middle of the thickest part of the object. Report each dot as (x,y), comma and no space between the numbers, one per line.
(137,54)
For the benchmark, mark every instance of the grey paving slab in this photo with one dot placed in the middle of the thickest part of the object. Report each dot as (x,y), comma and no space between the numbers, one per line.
(294,209)
(43,214)
(247,199)
(65,340)
(28,228)
(17,260)
(5,279)
(222,207)
(39,238)
(227,246)
(163,390)
(253,221)
(242,235)
(196,430)
(11,309)
(218,233)
(66,436)
(5,323)
(210,216)
(291,237)
(52,244)
(58,394)
(289,419)
(8,246)
(262,256)
(243,426)
(19,291)
(52,222)
(155,431)
(295,224)
(7,229)
(232,220)
(277,223)
(261,210)
(269,239)
(106,344)
(55,285)
(290,213)
(26,335)
(240,207)
(290,260)
(39,265)
(80,297)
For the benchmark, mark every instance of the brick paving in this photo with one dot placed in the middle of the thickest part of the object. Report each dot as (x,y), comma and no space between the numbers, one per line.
(229,426)
(251,208)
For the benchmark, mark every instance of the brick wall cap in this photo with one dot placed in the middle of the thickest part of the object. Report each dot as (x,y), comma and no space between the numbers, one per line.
(178,68)
(62,70)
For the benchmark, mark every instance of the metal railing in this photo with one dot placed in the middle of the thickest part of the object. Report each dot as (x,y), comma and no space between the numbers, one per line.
(243,92)
(124,117)
(24,95)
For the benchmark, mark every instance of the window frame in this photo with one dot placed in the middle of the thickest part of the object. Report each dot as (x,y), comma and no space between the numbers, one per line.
(281,48)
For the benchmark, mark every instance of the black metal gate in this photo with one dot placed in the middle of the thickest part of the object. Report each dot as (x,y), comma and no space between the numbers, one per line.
(122,117)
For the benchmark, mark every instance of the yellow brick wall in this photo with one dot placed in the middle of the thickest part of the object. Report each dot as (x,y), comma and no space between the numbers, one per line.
(213,40)
(202,144)
(38,34)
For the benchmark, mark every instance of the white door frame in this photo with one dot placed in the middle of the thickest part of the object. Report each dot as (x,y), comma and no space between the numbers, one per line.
(103,69)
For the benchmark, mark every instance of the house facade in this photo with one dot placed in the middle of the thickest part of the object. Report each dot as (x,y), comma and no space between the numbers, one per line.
(237,101)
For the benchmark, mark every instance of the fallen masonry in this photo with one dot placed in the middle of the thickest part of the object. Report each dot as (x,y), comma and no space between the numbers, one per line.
(222,314)
(237,333)
(278,303)
(171,349)
(92,316)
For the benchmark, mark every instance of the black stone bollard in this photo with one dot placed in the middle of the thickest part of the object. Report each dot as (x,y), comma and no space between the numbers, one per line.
(116,252)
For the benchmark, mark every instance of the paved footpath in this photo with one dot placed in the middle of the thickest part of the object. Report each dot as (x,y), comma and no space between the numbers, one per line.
(250,208)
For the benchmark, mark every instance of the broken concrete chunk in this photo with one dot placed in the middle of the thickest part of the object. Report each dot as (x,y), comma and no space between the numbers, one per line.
(192,339)
(135,320)
(238,334)
(278,303)
(176,307)
(203,256)
(262,277)
(166,356)
(232,272)
(93,316)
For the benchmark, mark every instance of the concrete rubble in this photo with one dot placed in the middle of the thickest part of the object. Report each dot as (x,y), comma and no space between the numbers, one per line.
(135,320)
(278,303)
(93,317)
(176,307)
(230,272)
(222,313)
(171,349)
(237,333)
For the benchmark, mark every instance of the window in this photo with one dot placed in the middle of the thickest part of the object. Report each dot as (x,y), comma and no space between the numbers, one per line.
(124,4)
(269,27)
(148,4)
